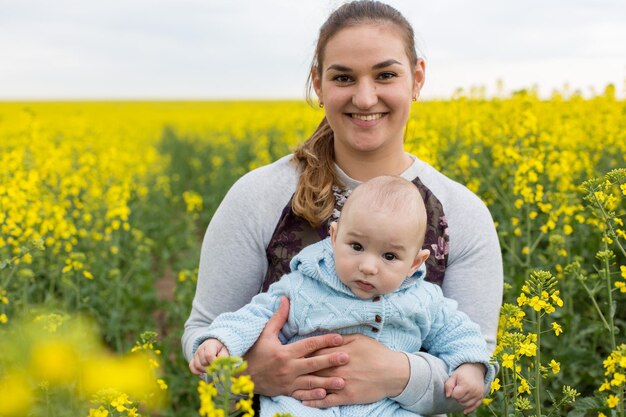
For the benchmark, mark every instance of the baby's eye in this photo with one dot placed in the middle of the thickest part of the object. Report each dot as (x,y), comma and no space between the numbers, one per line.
(390,256)
(357,246)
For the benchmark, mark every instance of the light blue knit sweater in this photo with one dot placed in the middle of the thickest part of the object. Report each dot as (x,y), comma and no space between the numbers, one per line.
(413,317)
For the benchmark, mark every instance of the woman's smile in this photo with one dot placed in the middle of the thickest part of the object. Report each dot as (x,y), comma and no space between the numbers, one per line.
(366,120)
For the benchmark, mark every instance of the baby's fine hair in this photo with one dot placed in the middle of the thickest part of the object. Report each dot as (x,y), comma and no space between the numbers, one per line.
(392,194)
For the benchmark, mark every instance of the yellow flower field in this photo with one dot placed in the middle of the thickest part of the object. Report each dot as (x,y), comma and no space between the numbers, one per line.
(103,206)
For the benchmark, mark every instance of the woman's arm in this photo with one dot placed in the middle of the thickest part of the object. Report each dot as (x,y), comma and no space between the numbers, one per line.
(415,381)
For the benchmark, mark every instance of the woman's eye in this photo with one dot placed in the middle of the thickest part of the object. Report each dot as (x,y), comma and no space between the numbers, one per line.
(357,247)
(342,78)
(389,256)
(386,75)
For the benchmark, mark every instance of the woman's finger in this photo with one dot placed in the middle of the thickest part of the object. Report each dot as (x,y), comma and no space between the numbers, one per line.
(309,395)
(310,345)
(318,363)
(310,387)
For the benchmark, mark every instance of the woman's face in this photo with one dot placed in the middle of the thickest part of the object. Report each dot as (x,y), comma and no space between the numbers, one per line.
(367,85)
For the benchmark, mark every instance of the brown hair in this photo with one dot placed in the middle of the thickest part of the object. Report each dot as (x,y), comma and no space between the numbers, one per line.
(314,199)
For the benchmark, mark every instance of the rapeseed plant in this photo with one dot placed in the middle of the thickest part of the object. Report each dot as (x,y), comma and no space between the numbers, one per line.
(118,195)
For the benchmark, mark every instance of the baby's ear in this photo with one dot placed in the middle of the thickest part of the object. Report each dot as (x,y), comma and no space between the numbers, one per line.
(420,258)
(333,233)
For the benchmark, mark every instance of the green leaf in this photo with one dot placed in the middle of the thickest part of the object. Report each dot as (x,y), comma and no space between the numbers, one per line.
(583,406)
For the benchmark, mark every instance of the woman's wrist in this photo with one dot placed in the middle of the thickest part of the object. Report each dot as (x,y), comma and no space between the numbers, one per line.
(399,372)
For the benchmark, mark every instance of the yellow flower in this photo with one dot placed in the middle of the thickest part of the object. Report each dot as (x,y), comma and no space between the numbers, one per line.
(3,318)
(618,379)
(556,299)
(162,384)
(16,396)
(528,349)
(557,328)
(523,387)
(487,401)
(507,360)
(242,385)
(120,402)
(556,367)
(495,386)
(522,300)
(612,401)
(99,412)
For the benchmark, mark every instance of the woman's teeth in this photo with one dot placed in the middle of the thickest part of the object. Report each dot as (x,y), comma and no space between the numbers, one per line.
(367,117)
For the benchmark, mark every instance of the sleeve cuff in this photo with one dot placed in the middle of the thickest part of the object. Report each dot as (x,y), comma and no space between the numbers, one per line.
(419,381)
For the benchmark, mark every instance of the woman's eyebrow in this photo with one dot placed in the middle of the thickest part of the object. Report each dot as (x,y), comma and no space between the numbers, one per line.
(340,68)
(384,64)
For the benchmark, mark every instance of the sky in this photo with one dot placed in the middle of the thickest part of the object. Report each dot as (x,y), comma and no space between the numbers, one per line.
(262,49)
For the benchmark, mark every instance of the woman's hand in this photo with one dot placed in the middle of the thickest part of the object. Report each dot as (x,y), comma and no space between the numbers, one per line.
(373,373)
(278,369)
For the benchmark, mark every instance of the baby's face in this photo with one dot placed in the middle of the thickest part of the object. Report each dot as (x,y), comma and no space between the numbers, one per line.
(375,251)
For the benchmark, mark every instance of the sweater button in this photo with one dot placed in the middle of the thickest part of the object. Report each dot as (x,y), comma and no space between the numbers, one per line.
(377,318)
(376,298)
(375,330)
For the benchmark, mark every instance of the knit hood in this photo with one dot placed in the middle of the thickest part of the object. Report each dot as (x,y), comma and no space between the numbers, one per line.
(318,262)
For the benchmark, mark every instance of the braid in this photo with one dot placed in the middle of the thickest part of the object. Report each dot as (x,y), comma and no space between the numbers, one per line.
(314,199)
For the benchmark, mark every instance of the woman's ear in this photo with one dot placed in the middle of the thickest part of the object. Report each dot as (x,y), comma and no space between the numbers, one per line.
(317,84)
(419,77)
(420,258)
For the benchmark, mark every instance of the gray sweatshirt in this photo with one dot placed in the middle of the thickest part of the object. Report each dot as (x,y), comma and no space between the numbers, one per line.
(233,264)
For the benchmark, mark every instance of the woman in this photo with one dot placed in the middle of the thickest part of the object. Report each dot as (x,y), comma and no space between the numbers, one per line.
(365,74)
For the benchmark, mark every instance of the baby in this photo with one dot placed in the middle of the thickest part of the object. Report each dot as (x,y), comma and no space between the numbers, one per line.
(367,277)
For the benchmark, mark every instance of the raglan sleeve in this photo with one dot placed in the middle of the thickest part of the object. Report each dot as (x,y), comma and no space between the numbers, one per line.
(240,329)
(233,260)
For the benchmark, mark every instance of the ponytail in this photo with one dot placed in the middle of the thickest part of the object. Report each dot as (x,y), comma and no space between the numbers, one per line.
(314,199)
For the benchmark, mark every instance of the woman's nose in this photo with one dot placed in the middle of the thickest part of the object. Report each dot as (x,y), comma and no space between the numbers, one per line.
(365,96)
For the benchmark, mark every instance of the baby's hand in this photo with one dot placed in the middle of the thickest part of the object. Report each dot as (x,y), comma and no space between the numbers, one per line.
(466,385)
(205,354)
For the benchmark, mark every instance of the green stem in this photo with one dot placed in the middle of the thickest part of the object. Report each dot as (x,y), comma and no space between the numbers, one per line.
(595,304)
(607,277)
(77,275)
(515,392)
(538,366)
(608,223)
(510,252)
(528,237)
(505,380)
